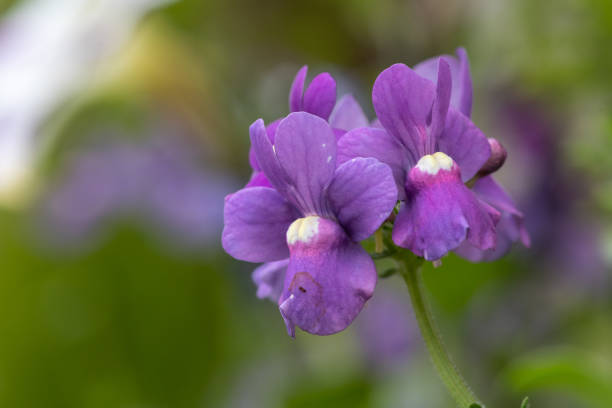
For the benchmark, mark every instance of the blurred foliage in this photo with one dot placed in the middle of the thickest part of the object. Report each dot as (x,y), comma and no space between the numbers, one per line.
(131,322)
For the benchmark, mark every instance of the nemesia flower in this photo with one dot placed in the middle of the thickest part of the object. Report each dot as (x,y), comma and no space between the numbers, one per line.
(315,214)
(318,99)
(433,150)
(511,227)
(347,114)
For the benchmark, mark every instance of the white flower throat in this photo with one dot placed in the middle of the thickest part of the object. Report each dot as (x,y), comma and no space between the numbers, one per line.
(433,163)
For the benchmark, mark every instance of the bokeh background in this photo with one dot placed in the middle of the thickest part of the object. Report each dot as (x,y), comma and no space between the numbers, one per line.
(124,123)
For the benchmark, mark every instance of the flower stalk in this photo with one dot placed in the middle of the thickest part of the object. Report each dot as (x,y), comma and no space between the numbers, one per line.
(410,269)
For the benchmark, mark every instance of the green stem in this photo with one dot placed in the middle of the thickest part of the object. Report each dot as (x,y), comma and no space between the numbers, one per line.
(447,371)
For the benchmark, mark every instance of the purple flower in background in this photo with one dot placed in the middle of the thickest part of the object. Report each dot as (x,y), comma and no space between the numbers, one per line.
(160,181)
(315,214)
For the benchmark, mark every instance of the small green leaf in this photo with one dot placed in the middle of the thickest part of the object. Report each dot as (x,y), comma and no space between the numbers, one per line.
(526,403)
(476,405)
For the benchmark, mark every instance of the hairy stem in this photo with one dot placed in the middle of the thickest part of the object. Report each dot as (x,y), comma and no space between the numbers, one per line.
(456,385)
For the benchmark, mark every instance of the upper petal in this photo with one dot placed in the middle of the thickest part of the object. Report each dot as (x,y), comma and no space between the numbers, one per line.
(461,95)
(297,90)
(362,194)
(270,131)
(347,114)
(256,221)
(403,100)
(377,143)
(465,143)
(320,97)
(327,282)
(306,150)
(441,104)
(266,158)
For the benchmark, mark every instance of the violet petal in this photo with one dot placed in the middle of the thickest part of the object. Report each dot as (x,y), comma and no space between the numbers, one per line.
(320,96)
(362,194)
(270,278)
(297,90)
(347,114)
(256,221)
(306,150)
(403,100)
(465,143)
(328,281)
(377,143)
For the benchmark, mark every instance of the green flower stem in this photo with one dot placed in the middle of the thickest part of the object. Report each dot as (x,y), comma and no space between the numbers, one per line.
(456,385)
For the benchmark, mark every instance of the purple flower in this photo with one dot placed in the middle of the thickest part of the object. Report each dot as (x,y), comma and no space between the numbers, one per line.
(510,228)
(319,99)
(433,149)
(315,214)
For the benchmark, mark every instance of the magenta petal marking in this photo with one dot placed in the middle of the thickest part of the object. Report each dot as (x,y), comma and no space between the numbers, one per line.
(328,280)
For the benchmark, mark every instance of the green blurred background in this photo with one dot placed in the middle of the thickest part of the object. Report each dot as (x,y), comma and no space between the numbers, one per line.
(123,123)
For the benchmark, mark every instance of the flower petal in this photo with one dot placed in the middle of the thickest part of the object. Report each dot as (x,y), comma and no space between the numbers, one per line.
(441,103)
(461,95)
(440,214)
(320,97)
(362,194)
(377,143)
(306,150)
(270,278)
(347,114)
(403,100)
(258,179)
(510,228)
(465,143)
(297,90)
(490,191)
(256,222)
(328,281)
(266,158)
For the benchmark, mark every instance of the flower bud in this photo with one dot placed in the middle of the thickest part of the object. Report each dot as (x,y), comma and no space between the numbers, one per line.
(496,160)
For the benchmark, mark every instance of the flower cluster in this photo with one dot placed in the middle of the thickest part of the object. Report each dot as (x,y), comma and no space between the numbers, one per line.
(324,179)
